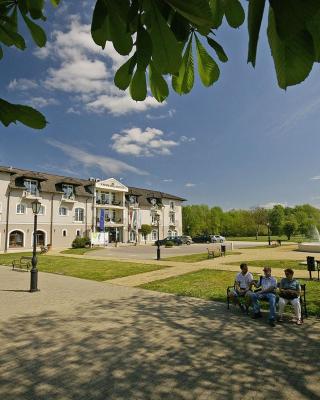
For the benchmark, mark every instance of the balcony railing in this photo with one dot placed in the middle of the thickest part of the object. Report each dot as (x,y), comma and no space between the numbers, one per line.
(108,203)
(31,194)
(69,198)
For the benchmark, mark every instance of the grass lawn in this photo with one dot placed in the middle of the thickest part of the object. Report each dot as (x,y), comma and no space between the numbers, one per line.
(96,270)
(196,257)
(80,251)
(297,238)
(211,285)
(294,264)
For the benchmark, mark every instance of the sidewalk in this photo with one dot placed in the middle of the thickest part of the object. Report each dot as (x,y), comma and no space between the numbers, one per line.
(85,340)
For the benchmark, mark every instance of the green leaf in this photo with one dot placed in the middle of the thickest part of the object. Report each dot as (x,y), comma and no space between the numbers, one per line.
(166,52)
(293,58)
(207,67)
(9,37)
(11,113)
(121,38)
(1,52)
(234,13)
(180,27)
(255,14)
(183,82)
(144,48)
(158,85)
(37,33)
(99,26)
(217,12)
(123,76)
(55,3)
(196,11)
(35,8)
(138,85)
(313,26)
(218,49)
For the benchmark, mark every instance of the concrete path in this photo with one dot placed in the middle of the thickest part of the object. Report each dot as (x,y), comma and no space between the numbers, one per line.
(221,263)
(84,340)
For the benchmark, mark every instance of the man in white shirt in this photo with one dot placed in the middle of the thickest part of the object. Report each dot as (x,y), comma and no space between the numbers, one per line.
(242,286)
(267,286)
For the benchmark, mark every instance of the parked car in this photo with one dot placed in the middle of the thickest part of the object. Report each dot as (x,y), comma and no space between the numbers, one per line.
(208,239)
(185,239)
(218,239)
(175,240)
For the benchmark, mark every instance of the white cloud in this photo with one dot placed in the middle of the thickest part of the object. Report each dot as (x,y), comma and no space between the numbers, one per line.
(167,180)
(169,114)
(136,142)
(315,178)
(187,139)
(22,84)
(72,110)
(189,184)
(40,102)
(107,165)
(271,204)
(85,70)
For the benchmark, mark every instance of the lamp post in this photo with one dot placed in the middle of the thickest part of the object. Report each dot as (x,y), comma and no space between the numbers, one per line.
(157,216)
(34,272)
(269,240)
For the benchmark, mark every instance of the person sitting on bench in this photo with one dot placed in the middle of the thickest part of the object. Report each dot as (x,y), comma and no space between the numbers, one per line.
(289,291)
(241,287)
(267,286)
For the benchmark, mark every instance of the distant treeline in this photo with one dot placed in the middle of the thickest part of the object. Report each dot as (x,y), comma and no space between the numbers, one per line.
(201,219)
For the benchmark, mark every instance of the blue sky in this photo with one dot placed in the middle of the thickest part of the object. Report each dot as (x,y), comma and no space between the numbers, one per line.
(241,143)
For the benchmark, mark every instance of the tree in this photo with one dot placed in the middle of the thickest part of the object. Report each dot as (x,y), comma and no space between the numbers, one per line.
(161,36)
(276,219)
(145,230)
(289,227)
(260,217)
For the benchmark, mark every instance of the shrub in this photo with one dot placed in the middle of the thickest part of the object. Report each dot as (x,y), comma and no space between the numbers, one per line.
(81,242)
(169,244)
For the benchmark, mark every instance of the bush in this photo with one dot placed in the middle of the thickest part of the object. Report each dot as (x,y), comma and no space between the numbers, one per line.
(169,244)
(81,242)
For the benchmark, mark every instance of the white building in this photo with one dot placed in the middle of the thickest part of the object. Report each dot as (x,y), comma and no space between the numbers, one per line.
(107,211)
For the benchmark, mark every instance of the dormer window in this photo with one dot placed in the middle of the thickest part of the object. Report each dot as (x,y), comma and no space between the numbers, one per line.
(31,187)
(68,192)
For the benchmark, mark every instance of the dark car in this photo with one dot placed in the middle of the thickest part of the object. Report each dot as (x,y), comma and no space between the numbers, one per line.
(185,239)
(175,240)
(203,239)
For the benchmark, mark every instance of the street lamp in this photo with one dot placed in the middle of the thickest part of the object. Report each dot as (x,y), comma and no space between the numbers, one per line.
(157,218)
(34,272)
(269,240)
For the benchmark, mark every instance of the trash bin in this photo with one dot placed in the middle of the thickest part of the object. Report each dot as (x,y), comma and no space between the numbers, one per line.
(311,265)
(223,249)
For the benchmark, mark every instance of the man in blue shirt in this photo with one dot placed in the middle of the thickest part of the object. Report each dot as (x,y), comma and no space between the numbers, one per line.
(267,286)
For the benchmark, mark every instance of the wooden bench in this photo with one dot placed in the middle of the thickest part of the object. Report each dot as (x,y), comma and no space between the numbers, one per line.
(214,251)
(303,300)
(23,262)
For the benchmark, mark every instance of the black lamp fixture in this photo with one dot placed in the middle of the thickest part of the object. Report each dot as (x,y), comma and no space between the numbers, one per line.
(269,240)
(36,206)
(157,218)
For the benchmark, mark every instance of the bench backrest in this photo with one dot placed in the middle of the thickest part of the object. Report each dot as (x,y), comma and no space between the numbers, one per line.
(26,258)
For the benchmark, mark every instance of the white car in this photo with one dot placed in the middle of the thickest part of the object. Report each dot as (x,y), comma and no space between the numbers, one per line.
(217,239)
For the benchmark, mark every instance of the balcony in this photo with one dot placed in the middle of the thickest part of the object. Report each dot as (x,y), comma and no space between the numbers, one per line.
(68,198)
(111,222)
(110,204)
(31,194)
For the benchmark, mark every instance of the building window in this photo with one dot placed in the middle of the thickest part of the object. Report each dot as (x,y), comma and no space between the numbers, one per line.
(172,205)
(154,235)
(16,239)
(172,218)
(154,218)
(64,233)
(40,238)
(79,214)
(67,191)
(78,233)
(31,187)
(169,233)
(63,211)
(42,210)
(21,208)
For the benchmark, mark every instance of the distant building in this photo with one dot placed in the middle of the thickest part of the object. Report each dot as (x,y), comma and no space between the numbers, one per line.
(104,210)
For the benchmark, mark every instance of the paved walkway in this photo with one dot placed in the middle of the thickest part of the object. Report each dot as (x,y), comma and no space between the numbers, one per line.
(78,339)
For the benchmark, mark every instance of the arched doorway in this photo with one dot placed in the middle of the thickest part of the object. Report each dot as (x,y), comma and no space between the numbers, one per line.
(40,238)
(16,239)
